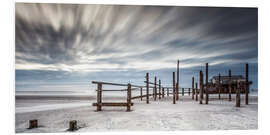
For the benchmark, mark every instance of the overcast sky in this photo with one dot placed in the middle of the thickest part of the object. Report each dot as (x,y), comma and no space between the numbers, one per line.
(71,45)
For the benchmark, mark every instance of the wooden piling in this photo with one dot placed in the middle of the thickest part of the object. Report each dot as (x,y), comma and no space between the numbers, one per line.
(238,100)
(193,92)
(189,91)
(219,86)
(167,91)
(230,85)
(201,87)
(247,85)
(183,91)
(141,93)
(128,97)
(147,88)
(163,94)
(73,125)
(177,92)
(196,92)
(206,83)
(99,96)
(177,81)
(159,89)
(33,124)
(174,88)
(155,87)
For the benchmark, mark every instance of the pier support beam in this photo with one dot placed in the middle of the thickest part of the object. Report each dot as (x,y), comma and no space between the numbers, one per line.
(163,93)
(141,93)
(230,85)
(99,97)
(155,87)
(206,83)
(247,85)
(201,87)
(196,92)
(174,88)
(159,89)
(128,97)
(193,92)
(219,86)
(238,100)
(147,88)
(183,91)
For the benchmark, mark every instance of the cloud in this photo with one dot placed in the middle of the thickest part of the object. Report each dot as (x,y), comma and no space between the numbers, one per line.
(66,37)
(73,43)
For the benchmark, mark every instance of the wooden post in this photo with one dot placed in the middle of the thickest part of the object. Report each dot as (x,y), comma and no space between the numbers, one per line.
(167,91)
(193,92)
(189,91)
(183,91)
(238,95)
(155,87)
(147,88)
(219,85)
(174,88)
(206,83)
(247,85)
(230,85)
(141,93)
(73,125)
(159,89)
(201,87)
(177,92)
(196,92)
(163,94)
(153,95)
(128,97)
(177,81)
(33,124)
(99,97)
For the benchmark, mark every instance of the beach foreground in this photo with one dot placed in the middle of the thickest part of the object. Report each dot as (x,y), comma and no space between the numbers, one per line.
(54,115)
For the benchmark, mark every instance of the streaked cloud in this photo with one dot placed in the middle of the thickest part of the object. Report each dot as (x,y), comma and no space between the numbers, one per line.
(86,39)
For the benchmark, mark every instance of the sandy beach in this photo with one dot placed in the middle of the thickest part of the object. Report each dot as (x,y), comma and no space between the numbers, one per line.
(54,114)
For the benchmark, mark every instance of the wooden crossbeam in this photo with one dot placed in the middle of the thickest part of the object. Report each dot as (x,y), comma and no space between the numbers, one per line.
(112,104)
(141,96)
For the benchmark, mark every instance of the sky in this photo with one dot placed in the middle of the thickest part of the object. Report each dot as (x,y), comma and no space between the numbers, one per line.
(66,46)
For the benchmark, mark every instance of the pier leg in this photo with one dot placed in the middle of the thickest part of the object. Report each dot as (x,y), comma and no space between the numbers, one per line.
(99,97)
(174,88)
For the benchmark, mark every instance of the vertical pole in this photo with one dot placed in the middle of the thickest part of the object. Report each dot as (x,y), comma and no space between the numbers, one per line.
(167,91)
(247,85)
(141,93)
(201,87)
(193,92)
(159,89)
(189,91)
(219,85)
(177,92)
(183,91)
(153,95)
(177,81)
(206,83)
(128,97)
(174,88)
(196,91)
(203,91)
(155,87)
(147,88)
(230,85)
(163,93)
(99,97)
(238,94)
